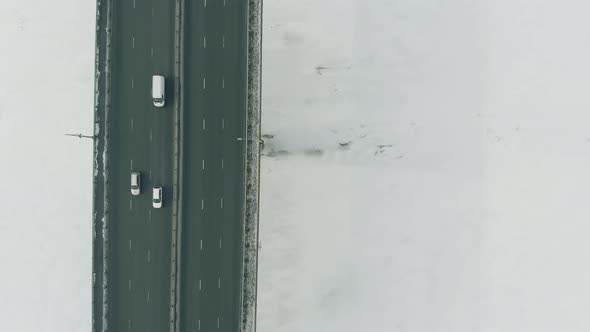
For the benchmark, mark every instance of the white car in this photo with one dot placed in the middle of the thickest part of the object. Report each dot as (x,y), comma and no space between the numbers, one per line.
(157,197)
(135,183)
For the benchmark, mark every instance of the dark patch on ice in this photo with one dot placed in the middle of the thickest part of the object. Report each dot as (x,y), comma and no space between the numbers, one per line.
(268,136)
(332,296)
(381,148)
(275,26)
(277,153)
(314,152)
(321,69)
(344,145)
(292,39)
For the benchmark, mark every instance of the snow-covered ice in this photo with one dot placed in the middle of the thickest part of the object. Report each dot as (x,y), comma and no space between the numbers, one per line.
(428,170)
(46,210)
(460,202)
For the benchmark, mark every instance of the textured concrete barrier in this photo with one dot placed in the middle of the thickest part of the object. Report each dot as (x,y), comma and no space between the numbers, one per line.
(106,218)
(252,189)
(98,168)
(175,264)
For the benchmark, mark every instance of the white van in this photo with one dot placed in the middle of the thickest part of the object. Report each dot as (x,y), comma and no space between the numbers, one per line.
(158,88)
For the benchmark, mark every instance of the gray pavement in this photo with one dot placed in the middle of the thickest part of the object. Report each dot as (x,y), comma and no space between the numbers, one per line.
(141,139)
(214,150)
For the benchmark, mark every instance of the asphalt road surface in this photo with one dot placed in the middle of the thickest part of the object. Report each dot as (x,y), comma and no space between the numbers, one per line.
(214,120)
(213,165)
(141,140)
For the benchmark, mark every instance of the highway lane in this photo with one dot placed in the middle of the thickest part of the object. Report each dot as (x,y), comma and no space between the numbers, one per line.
(141,140)
(214,115)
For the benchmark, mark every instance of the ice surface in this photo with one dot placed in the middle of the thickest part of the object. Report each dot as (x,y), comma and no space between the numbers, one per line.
(46,91)
(458,201)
